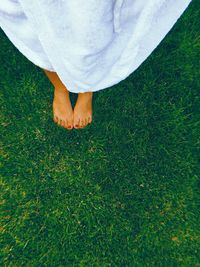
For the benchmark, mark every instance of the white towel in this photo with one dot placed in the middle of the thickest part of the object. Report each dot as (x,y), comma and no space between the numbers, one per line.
(91,44)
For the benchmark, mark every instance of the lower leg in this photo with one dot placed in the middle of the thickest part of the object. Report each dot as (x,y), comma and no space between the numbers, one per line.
(54,79)
(62,109)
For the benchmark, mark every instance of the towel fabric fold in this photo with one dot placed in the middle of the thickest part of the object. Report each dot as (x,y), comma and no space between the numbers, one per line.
(91,44)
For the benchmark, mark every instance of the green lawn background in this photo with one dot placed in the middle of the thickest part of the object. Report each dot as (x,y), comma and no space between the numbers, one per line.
(124,191)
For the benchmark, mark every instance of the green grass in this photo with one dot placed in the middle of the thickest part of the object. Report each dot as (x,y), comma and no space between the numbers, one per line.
(121,192)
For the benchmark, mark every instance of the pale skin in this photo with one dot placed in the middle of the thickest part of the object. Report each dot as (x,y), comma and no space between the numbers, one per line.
(63,113)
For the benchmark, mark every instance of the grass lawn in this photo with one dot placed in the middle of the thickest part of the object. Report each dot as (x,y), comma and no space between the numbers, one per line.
(121,192)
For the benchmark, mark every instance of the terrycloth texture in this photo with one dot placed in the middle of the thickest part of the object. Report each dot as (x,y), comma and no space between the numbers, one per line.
(91,44)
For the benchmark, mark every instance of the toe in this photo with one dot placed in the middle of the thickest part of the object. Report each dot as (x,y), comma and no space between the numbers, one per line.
(55,119)
(62,123)
(69,125)
(90,119)
(82,123)
(66,124)
(76,123)
(59,122)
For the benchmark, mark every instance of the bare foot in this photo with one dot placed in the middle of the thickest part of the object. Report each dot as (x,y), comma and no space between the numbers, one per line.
(62,108)
(83,110)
